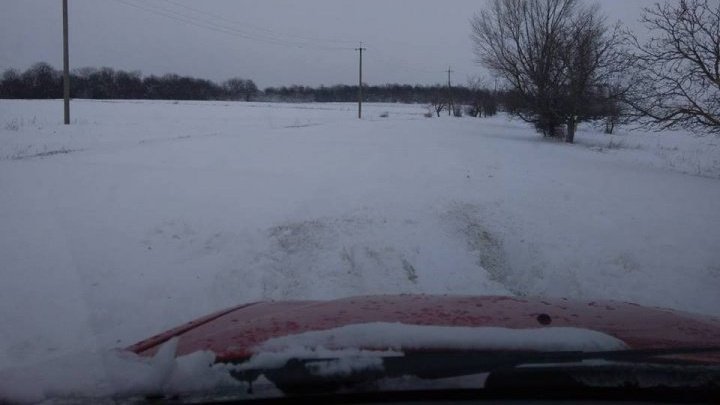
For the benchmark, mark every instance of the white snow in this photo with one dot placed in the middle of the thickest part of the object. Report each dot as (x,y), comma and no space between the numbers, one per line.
(345,366)
(399,337)
(381,339)
(115,373)
(348,359)
(146,214)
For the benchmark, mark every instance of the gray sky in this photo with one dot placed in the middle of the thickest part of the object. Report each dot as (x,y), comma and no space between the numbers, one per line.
(273,42)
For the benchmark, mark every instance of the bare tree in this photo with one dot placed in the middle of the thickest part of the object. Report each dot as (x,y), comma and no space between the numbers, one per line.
(439,102)
(42,81)
(556,55)
(480,99)
(678,70)
(519,41)
(240,89)
(594,64)
(614,115)
(484,102)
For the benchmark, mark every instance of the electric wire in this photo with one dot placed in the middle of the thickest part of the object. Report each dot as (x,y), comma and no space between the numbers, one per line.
(211,21)
(186,19)
(276,34)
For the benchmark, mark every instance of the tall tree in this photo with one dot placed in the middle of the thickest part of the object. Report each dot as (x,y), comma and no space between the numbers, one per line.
(554,54)
(594,63)
(678,69)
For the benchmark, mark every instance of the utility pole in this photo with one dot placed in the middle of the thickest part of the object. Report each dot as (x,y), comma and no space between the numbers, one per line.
(450,103)
(66,63)
(360,49)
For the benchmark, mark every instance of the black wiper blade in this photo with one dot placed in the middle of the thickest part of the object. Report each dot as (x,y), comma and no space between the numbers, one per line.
(646,354)
(450,363)
(298,375)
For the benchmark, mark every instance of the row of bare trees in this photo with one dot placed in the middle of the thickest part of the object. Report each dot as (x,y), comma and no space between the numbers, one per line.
(564,64)
(42,81)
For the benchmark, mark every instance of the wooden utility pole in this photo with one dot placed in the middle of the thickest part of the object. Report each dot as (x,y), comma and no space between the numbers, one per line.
(66,63)
(450,102)
(360,49)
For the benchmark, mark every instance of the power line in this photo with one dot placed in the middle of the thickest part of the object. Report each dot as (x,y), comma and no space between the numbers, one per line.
(273,35)
(186,19)
(217,23)
(293,36)
(386,58)
(296,41)
(176,16)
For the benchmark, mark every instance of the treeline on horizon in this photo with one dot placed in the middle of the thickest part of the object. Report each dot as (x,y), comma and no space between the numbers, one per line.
(42,81)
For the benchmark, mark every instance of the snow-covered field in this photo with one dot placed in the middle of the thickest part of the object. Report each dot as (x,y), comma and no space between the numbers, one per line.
(143,215)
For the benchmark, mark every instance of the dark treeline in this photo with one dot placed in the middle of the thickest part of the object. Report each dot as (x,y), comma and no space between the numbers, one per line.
(42,81)
(387,93)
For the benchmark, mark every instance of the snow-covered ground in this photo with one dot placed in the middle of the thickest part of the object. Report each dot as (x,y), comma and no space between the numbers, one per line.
(143,215)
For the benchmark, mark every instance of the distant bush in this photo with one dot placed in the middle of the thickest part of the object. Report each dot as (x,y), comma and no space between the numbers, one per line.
(457,111)
(240,89)
(471,111)
(438,102)
(385,114)
(489,107)
(12,125)
(612,144)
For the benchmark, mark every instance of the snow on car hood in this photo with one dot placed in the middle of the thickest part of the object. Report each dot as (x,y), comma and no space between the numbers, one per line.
(398,336)
(120,373)
(360,346)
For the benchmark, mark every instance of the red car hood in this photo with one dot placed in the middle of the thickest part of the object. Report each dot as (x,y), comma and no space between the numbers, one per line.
(233,333)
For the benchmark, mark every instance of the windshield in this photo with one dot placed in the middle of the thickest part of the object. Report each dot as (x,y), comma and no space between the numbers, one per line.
(230,175)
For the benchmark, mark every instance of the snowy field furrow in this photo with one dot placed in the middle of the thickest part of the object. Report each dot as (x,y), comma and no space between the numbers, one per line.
(146,214)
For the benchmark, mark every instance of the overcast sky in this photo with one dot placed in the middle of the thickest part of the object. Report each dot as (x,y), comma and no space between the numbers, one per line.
(273,42)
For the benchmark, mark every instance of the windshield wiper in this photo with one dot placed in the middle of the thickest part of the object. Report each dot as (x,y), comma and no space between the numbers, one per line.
(506,369)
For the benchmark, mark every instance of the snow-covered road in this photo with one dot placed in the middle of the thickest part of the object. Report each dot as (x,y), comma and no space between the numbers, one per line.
(143,215)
